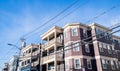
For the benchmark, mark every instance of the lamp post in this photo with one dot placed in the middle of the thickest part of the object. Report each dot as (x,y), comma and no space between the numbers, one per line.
(18,55)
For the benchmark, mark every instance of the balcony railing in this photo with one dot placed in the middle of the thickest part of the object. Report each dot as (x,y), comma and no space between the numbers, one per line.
(35,63)
(57,40)
(44,59)
(51,57)
(35,53)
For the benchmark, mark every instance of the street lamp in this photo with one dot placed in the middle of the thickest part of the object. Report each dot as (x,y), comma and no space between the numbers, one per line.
(18,55)
(14,46)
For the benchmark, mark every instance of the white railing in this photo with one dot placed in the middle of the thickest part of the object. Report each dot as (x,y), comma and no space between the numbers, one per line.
(35,53)
(51,42)
(52,56)
(48,58)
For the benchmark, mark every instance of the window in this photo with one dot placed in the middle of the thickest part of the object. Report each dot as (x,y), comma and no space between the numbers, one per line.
(67,64)
(109,49)
(74,32)
(89,65)
(87,48)
(29,51)
(100,46)
(25,63)
(84,33)
(112,65)
(119,43)
(117,65)
(22,63)
(104,64)
(77,63)
(107,61)
(28,61)
(75,46)
(104,45)
(113,47)
(97,31)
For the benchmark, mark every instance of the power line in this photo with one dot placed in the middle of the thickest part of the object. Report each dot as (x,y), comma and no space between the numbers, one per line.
(113,7)
(89,42)
(77,8)
(53,18)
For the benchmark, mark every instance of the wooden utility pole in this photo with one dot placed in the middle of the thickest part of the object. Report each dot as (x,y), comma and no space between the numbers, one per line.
(39,58)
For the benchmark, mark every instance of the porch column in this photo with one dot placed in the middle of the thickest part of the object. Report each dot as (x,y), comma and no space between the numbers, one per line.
(47,67)
(55,35)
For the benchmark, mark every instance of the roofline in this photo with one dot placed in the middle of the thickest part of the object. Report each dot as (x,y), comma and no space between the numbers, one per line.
(101,26)
(50,30)
(29,46)
(116,36)
(74,24)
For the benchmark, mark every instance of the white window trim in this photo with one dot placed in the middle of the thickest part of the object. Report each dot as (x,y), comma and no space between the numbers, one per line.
(112,65)
(87,48)
(104,46)
(90,64)
(75,30)
(75,47)
(100,45)
(109,49)
(104,63)
(84,32)
(79,63)
(117,65)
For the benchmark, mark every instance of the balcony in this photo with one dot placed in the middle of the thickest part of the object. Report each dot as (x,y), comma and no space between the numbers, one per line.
(51,43)
(51,58)
(35,63)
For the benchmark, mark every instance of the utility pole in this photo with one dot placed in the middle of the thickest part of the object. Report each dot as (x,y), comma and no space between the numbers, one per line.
(23,45)
(63,50)
(39,58)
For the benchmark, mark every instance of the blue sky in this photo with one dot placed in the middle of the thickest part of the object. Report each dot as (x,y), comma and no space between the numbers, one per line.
(18,17)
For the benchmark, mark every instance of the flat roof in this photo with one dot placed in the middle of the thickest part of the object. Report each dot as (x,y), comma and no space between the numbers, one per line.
(101,26)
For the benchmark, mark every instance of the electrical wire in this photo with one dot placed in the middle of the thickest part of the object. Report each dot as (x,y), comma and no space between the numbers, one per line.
(90,42)
(77,8)
(101,14)
(53,17)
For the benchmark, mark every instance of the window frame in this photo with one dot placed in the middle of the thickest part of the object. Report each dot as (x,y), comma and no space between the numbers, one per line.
(90,64)
(104,65)
(100,45)
(87,48)
(74,31)
(75,64)
(74,47)
(112,65)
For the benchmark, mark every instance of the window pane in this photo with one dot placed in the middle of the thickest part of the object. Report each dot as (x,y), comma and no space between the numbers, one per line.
(75,47)
(74,32)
